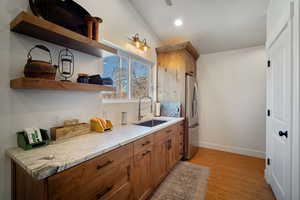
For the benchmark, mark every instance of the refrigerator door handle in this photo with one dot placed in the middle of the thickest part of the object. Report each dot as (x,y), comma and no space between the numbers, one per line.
(196,99)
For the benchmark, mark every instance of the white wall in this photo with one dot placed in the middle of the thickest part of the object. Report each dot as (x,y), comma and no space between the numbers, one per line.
(232,101)
(28,108)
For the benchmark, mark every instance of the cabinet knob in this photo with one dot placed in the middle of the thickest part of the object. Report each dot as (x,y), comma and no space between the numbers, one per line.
(146,143)
(169,144)
(281,134)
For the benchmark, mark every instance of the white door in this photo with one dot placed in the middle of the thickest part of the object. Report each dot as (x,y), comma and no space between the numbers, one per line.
(279,79)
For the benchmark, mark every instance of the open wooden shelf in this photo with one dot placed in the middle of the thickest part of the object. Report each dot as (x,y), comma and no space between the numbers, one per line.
(36,27)
(32,83)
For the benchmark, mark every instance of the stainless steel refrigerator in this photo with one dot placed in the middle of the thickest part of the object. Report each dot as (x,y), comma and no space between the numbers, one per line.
(191,114)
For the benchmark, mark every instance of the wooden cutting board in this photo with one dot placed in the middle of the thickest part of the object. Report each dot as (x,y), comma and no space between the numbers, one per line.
(70,129)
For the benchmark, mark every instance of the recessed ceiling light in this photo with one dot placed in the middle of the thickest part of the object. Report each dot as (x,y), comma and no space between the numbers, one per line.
(178,22)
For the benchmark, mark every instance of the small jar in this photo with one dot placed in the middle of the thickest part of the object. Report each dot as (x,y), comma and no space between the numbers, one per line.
(124,118)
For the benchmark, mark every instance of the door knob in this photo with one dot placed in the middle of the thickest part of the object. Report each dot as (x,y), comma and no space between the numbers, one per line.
(281,134)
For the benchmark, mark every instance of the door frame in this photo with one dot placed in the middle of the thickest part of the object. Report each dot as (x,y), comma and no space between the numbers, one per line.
(296,102)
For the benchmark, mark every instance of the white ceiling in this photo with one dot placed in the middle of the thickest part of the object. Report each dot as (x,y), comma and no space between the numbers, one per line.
(211,25)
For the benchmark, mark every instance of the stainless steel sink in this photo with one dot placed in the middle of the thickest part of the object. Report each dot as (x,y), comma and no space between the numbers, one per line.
(151,123)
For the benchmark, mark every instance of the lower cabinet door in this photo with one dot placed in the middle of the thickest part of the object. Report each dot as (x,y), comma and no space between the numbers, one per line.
(143,179)
(66,185)
(178,145)
(160,161)
(171,152)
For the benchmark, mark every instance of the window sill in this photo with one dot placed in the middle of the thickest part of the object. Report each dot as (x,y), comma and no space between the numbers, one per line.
(119,101)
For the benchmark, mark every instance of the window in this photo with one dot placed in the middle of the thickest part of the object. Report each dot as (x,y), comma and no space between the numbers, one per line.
(140,79)
(131,77)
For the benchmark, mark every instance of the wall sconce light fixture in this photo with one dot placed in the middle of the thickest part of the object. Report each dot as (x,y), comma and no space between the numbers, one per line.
(145,45)
(139,44)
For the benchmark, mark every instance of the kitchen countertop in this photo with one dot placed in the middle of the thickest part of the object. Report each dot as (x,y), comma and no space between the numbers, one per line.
(46,161)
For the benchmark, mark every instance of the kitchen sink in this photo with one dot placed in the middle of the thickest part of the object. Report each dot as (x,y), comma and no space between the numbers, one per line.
(151,123)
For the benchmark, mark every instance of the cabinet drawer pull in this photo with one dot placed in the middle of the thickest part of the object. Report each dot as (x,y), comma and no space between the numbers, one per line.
(104,192)
(128,172)
(169,144)
(146,143)
(105,165)
(147,152)
(169,131)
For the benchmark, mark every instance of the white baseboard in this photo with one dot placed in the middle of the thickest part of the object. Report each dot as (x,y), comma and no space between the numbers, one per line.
(267,176)
(232,149)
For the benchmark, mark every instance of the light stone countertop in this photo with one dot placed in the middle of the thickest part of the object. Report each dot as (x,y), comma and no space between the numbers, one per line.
(46,161)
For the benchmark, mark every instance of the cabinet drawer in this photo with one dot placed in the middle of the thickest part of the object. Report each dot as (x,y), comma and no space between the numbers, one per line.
(160,136)
(140,155)
(170,130)
(109,184)
(104,163)
(66,185)
(143,144)
(125,192)
(180,126)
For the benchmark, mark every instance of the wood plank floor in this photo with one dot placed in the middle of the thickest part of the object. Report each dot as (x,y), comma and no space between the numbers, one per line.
(233,176)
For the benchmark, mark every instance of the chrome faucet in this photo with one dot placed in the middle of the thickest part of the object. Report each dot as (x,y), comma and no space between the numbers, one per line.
(140,117)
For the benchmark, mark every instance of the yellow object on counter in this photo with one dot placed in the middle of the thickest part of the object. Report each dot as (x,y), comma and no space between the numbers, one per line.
(100,125)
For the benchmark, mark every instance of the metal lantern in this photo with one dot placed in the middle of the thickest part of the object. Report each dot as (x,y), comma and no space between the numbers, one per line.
(66,64)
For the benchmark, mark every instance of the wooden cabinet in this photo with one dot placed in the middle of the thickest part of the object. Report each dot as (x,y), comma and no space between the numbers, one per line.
(161,142)
(130,172)
(171,152)
(109,184)
(175,145)
(143,168)
(143,144)
(171,147)
(179,134)
(190,64)
(100,178)
(66,185)
(168,150)
(107,162)
(173,63)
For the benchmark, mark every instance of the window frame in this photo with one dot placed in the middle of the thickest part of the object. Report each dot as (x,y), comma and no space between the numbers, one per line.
(130,56)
